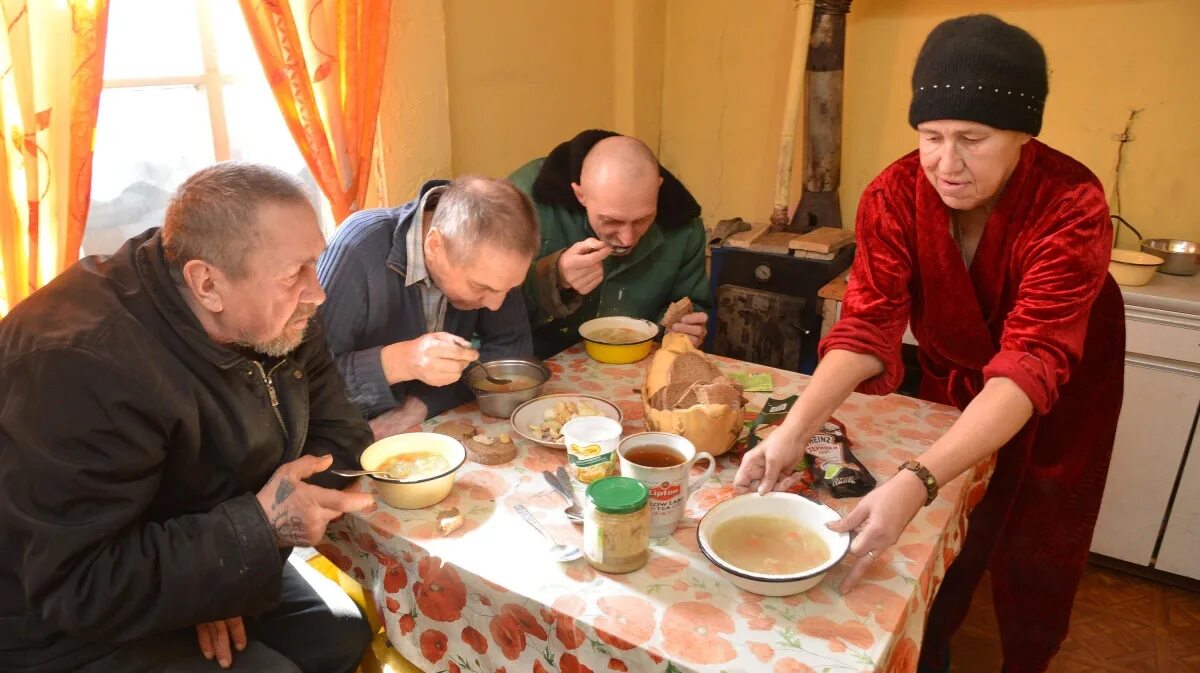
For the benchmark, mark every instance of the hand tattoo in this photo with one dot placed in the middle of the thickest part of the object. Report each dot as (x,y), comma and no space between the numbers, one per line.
(289,529)
(287,526)
(285,489)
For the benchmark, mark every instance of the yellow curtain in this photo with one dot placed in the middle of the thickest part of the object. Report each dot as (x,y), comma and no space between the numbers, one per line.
(51,73)
(324,61)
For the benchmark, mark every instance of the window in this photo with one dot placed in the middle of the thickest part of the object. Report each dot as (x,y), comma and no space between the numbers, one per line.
(183,88)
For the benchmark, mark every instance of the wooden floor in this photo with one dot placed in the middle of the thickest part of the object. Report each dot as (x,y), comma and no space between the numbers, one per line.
(1120,623)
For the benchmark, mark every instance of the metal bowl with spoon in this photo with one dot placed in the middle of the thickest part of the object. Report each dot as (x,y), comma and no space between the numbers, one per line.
(522,381)
(488,375)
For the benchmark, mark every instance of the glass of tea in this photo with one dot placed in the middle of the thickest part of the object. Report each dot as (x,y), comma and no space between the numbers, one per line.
(662,462)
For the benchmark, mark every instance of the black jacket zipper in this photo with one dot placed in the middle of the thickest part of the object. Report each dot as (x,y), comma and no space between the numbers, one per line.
(266,377)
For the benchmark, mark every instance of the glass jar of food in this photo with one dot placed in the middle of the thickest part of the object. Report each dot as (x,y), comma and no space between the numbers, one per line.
(616,525)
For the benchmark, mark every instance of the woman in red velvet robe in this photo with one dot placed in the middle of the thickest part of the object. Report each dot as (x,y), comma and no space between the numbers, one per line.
(995,247)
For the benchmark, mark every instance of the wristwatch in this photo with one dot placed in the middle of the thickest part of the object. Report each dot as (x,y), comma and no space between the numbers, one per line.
(926,477)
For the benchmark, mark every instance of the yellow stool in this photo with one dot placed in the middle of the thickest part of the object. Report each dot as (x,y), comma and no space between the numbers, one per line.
(382,657)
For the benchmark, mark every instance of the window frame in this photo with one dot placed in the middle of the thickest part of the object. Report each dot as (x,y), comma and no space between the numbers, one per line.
(213,82)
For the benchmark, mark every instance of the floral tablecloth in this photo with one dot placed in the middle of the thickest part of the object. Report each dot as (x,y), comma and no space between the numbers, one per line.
(487,599)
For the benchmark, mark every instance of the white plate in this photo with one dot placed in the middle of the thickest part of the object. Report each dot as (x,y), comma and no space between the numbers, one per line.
(533,413)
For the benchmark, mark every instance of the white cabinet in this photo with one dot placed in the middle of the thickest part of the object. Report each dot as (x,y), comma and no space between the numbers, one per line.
(1162,398)
(1156,423)
(1180,551)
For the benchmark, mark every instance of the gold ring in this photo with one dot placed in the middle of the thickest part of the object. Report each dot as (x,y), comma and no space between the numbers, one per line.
(872,555)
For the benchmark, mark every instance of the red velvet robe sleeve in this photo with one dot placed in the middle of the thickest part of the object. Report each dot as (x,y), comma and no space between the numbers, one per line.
(878,298)
(1061,271)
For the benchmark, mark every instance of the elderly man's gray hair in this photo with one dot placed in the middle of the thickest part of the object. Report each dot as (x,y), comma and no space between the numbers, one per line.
(212,215)
(476,211)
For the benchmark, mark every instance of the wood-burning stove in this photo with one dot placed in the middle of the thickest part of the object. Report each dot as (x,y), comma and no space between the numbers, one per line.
(767,310)
(766,306)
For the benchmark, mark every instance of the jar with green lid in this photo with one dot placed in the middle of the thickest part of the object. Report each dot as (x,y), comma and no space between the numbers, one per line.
(616,525)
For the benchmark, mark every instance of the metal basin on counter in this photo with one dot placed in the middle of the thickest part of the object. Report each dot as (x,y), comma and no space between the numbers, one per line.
(1180,257)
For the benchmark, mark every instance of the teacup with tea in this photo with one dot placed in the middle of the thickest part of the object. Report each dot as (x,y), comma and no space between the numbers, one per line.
(662,462)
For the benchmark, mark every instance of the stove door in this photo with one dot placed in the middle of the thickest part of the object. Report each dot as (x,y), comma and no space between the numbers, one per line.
(759,326)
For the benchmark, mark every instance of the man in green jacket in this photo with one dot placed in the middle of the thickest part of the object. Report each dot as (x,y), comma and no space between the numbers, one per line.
(620,236)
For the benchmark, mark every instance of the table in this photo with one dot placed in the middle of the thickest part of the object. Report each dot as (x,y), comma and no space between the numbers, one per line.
(486,600)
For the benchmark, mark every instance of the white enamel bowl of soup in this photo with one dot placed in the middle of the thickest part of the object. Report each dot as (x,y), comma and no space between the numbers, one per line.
(618,340)
(441,455)
(746,542)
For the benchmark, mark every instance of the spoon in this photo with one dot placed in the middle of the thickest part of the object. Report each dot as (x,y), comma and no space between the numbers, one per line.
(365,473)
(563,553)
(565,480)
(488,375)
(574,514)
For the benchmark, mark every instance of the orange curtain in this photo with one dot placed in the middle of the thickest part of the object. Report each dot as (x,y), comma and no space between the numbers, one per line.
(51,74)
(324,61)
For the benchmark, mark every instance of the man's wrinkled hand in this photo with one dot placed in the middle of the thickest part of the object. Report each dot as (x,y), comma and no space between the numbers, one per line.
(695,325)
(581,266)
(297,511)
(437,359)
(220,639)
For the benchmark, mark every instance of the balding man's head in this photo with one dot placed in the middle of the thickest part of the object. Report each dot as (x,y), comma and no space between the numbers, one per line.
(622,159)
(618,187)
(483,235)
(476,212)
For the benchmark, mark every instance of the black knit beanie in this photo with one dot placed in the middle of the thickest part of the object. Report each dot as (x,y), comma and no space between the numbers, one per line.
(981,69)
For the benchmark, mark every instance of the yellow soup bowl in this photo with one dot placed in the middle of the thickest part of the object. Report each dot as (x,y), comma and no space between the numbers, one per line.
(418,492)
(634,342)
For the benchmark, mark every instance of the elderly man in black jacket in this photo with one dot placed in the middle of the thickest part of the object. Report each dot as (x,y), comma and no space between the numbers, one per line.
(167,415)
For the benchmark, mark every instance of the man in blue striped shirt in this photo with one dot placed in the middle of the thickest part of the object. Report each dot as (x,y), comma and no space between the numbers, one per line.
(409,287)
